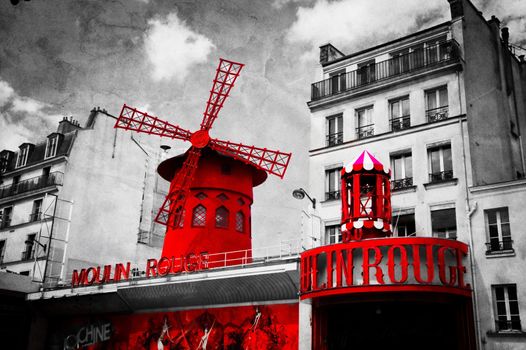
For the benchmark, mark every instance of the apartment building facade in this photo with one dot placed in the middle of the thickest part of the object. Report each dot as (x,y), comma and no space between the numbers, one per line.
(444,107)
(61,208)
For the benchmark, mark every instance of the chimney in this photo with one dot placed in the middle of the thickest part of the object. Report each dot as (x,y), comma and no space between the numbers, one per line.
(505,35)
(329,53)
(456,8)
(68,125)
(521,58)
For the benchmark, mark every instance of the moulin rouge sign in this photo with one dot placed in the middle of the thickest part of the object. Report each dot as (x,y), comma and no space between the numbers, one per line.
(386,264)
(154,268)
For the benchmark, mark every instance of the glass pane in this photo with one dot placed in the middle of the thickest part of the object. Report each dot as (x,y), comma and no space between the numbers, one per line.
(443,97)
(493,231)
(397,168)
(443,220)
(514,307)
(395,110)
(434,155)
(505,230)
(332,125)
(431,100)
(492,217)
(499,293)
(340,124)
(504,218)
(368,116)
(405,107)
(501,307)
(408,166)
(447,159)
(512,292)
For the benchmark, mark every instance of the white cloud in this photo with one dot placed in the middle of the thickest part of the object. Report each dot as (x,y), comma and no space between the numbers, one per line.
(6,92)
(352,24)
(22,118)
(173,48)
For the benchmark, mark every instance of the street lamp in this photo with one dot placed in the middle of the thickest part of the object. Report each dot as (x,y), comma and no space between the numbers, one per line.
(300,193)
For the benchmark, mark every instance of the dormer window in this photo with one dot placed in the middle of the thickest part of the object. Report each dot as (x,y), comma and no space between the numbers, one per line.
(52,145)
(22,155)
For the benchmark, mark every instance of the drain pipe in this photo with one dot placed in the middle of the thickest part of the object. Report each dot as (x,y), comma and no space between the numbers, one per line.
(469,211)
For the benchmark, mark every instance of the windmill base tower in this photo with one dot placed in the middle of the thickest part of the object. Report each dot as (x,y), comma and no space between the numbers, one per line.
(216,217)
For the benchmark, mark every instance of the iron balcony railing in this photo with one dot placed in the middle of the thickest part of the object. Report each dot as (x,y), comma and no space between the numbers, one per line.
(28,254)
(365,131)
(400,184)
(32,184)
(332,195)
(437,114)
(401,123)
(417,60)
(4,222)
(508,325)
(441,176)
(494,245)
(334,139)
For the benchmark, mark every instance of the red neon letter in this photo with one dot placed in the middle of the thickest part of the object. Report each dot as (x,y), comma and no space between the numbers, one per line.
(442,268)
(366,266)
(391,264)
(78,279)
(346,268)
(429,264)
(151,267)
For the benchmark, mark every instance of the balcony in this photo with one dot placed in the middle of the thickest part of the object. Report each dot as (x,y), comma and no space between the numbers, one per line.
(401,123)
(416,61)
(5,222)
(35,183)
(334,139)
(332,195)
(496,246)
(441,176)
(33,217)
(401,184)
(28,255)
(365,131)
(437,114)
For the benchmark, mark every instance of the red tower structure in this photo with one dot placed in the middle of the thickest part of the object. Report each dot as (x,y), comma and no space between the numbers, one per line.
(366,199)
(218,195)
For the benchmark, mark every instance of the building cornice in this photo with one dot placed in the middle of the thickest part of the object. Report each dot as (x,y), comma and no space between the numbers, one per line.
(35,166)
(499,186)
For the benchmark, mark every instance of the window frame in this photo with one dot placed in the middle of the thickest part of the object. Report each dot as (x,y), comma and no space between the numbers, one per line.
(2,249)
(29,249)
(240,217)
(404,181)
(334,231)
(443,174)
(367,130)
(51,147)
(222,218)
(402,121)
(333,193)
(194,216)
(5,223)
(336,138)
(396,220)
(507,303)
(503,245)
(23,155)
(447,233)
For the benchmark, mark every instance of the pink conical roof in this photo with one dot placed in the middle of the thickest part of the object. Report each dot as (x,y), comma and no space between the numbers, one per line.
(365,161)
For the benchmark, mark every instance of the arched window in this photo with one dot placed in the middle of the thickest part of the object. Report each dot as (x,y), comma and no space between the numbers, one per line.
(199,216)
(240,221)
(222,217)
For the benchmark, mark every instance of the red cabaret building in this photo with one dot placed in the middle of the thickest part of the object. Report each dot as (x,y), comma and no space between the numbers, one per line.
(371,291)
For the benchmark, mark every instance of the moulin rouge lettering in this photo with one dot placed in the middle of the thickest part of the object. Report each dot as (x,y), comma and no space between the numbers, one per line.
(154,268)
(384,262)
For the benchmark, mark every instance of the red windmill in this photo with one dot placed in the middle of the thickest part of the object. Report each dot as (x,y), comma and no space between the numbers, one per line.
(172,211)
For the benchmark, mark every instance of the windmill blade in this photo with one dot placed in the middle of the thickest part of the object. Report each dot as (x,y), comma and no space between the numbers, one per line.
(132,119)
(273,162)
(226,75)
(171,212)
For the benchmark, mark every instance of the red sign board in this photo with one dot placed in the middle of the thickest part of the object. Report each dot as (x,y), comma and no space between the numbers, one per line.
(386,264)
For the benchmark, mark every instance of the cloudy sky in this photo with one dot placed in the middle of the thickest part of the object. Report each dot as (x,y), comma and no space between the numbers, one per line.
(62,58)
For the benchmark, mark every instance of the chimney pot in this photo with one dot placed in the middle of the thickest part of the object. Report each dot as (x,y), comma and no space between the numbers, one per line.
(505,35)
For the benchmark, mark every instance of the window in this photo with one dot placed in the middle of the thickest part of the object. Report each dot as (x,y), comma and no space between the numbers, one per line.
(222,197)
(498,227)
(29,251)
(436,50)
(402,171)
(436,104)
(24,273)
(506,307)
(338,82)
(333,234)
(364,120)
(334,129)
(399,113)
(222,217)
(5,217)
(199,216)
(399,62)
(444,223)
(240,222)
(36,212)
(332,184)
(440,163)
(201,196)
(404,225)
(366,72)
(51,146)
(22,156)
(2,250)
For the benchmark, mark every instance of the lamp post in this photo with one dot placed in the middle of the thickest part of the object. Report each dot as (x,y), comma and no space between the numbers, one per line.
(300,193)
